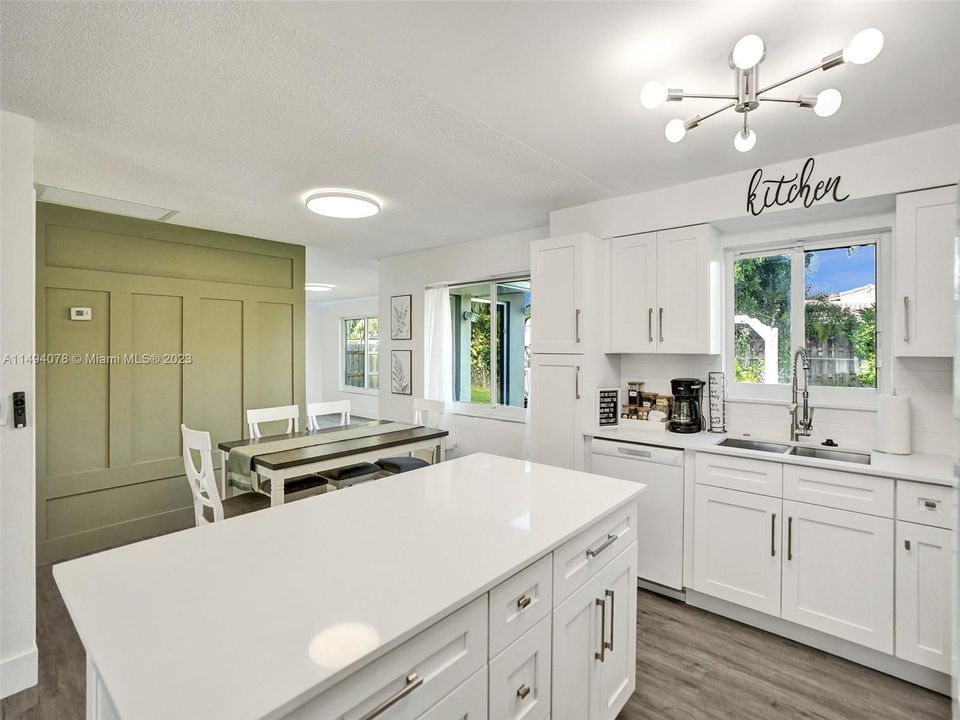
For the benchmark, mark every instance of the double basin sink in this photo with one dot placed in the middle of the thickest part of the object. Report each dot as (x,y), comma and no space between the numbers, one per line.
(820,453)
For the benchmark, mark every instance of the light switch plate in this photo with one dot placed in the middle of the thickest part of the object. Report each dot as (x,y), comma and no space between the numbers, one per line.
(81,313)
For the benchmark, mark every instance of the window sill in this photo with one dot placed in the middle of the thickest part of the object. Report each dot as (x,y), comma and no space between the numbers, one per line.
(358,391)
(861,406)
(487,412)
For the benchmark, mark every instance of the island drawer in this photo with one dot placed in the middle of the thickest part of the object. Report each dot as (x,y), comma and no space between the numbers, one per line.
(927,504)
(467,702)
(520,677)
(517,604)
(842,490)
(736,473)
(409,679)
(578,559)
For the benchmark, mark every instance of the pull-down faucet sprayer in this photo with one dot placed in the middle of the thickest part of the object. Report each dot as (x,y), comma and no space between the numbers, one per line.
(800,426)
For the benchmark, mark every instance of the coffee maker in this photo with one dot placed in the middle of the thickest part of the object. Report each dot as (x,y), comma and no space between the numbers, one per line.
(687,396)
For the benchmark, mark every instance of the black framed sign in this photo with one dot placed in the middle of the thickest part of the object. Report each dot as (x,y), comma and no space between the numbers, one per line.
(608,407)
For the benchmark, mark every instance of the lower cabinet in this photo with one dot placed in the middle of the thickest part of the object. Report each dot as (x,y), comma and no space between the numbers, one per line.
(520,677)
(595,644)
(925,558)
(838,573)
(736,547)
(467,702)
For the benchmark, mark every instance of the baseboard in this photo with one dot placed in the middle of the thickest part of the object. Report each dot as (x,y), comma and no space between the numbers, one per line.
(661,590)
(882,662)
(69,546)
(18,673)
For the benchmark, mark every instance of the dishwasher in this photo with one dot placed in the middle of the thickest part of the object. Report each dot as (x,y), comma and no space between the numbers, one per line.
(660,518)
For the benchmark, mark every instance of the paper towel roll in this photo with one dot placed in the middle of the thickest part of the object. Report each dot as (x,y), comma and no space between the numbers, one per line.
(893,424)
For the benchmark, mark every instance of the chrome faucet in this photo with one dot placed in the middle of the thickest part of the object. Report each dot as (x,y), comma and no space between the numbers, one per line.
(800,426)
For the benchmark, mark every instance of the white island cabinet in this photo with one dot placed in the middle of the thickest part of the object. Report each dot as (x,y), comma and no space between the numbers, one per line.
(437,594)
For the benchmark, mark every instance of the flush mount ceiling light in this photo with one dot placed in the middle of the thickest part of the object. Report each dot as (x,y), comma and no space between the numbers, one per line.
(344,204)
(319,287)
(745,61)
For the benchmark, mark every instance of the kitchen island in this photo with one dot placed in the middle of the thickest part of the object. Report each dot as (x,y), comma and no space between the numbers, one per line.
(457,590)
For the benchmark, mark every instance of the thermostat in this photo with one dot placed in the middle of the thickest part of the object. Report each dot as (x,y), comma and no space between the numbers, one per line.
(78,313)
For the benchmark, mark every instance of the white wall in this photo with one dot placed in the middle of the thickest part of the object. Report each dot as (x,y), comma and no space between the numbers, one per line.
(410,274)
(324,349)
(18,648)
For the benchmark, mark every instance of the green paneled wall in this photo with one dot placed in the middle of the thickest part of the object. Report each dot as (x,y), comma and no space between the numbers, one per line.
(108,442)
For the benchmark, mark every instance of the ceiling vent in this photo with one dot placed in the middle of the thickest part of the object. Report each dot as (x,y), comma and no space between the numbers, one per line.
(100,203)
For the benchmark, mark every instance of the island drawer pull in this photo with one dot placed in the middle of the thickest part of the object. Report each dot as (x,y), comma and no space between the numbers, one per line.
(611,538)
(523,602)
(930,504)
(602,604)
(613,609)
(413,682)
(523,691)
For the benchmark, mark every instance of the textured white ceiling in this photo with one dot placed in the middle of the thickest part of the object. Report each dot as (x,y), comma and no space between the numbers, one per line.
(467,119)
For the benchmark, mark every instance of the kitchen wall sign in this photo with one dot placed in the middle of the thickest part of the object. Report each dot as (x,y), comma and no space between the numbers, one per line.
(608,407)
(784,191)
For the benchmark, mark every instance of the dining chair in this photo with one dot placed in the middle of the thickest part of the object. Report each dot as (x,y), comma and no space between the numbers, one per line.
(290,413)
(422,409)
(208,507)
(318,409)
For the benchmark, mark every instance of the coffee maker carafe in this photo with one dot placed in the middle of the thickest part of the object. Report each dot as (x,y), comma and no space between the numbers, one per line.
(686,416)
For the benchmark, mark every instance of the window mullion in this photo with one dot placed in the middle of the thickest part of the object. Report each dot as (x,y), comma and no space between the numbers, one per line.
(494,316)
(797,301)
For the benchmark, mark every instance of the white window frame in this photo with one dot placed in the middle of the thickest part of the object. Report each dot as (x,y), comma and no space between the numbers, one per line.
(494,410)
(366,351)
(822,396)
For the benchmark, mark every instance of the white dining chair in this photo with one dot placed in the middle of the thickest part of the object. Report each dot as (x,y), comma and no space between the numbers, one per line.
(208,506)
(422,408)
(290,413)
(319,409)
(422,411)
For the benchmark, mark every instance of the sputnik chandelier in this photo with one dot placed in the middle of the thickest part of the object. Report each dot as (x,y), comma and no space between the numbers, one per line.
(745,61)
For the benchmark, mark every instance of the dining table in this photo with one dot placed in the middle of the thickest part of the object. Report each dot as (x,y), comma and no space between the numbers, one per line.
(247,462)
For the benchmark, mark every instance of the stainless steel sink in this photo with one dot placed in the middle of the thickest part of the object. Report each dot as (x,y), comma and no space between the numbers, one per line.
(770,447)
(825,454)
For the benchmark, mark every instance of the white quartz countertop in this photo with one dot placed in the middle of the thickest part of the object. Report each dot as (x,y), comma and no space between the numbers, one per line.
(917,467)
(215,622)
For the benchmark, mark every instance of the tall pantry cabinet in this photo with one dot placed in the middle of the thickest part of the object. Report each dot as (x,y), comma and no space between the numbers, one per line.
(568,277)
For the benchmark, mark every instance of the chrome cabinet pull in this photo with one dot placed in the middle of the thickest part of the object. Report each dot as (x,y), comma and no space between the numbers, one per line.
(611,538)
(906,319)
(613,609)
(602,604)
(773,540)
(906,544)
(578,324)
(578,381)
(789,538)
(661,324)
(413,682)
(523,602)
(523,691)
(650,323)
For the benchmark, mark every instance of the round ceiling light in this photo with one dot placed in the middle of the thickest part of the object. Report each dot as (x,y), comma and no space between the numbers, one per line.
(748,51)
(828,102)
(344,204)
(864,47)
(318,287)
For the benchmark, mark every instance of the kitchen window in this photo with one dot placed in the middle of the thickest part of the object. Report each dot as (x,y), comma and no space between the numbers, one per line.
(491,343)
(361,354)
(821,295)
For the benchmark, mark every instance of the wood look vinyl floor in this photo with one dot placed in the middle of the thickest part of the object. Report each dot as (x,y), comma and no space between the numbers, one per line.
(691,665)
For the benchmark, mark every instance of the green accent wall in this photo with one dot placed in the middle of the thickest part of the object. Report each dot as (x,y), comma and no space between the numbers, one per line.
(109,466)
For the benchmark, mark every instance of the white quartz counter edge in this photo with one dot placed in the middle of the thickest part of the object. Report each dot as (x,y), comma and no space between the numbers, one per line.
(484,493)
(917,467)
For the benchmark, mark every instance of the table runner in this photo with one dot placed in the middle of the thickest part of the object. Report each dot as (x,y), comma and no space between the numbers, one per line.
(240,459)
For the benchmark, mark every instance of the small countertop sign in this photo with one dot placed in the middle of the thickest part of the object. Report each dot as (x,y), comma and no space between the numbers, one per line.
(244,599)
(608,407)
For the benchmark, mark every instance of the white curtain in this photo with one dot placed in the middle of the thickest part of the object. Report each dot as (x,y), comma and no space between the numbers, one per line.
(438,354)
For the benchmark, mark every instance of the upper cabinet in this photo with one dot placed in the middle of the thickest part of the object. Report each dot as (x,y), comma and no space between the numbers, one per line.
(665,292)
(565,279)
(923,272)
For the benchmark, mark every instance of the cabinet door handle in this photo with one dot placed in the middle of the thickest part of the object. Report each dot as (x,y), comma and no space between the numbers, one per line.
(661,324)
(789,538)
(523,602)
(578,324)
(523,691)
(930,504)
(650,323)
(602,604)
(413,682)
(773,540)
(906,319)
(578,382)
(906,544)
(613,610)
(611,537)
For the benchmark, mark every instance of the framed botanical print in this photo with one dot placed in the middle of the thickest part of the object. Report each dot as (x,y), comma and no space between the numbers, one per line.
(400,320)
(401,372)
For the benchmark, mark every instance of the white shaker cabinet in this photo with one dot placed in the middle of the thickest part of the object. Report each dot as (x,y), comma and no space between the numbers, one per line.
(556,413)
(736,547)
(665,292)
(923,272)
(925,558)
(594,644)
(838,573)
